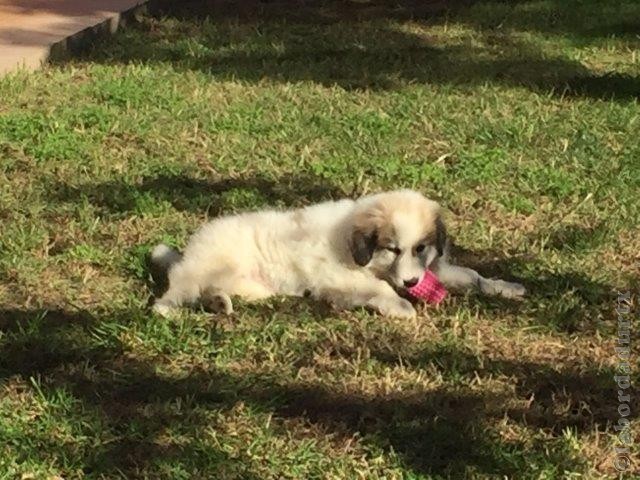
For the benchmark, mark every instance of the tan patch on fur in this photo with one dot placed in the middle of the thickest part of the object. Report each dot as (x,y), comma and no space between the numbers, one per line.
(379,217)
(431,234)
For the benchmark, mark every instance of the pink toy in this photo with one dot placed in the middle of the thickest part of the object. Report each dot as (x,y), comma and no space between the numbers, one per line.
(429,289)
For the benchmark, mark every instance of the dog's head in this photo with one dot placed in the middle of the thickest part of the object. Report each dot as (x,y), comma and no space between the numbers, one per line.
(397,235)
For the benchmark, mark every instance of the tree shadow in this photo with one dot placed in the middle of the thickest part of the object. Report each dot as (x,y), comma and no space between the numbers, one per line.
(350,44)
(569,302)
(64,349)
(556,16)
(578,238)
(556,396)
(584,21)
(442,431)
(186,193)
(37,341)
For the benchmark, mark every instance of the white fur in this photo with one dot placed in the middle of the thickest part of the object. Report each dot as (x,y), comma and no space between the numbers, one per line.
(306,251)
(164,256)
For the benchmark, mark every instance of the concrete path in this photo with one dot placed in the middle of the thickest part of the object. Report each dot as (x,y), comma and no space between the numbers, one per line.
(31,31)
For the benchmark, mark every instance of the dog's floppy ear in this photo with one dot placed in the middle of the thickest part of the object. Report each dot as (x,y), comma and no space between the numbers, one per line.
(369,224)
(441,236)
(362,244)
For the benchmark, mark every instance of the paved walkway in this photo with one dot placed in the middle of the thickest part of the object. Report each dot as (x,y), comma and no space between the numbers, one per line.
(31,29)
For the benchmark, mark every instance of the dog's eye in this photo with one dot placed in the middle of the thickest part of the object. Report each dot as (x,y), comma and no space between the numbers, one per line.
(420,248)
(394,250)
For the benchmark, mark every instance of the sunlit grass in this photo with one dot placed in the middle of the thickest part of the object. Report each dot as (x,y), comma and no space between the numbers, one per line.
(521,118)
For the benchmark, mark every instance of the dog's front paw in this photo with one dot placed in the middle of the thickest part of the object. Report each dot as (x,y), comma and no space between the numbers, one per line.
(513,290)
(396,307)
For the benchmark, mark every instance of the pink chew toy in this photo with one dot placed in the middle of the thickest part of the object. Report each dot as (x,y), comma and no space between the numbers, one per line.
(429,289)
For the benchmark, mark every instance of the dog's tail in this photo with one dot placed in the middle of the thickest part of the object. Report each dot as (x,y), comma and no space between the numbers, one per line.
(164,256)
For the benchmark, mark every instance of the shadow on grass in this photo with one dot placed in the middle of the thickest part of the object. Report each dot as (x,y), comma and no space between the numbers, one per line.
(37,341)
(555,16)
(568,302)
(359,45)
(201,195)
(556,396)
(445,431)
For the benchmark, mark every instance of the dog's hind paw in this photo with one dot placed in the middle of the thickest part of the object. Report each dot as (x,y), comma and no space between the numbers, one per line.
(217,301)
(163,310)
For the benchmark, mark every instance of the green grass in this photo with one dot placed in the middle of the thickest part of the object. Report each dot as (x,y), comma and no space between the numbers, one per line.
(522,118)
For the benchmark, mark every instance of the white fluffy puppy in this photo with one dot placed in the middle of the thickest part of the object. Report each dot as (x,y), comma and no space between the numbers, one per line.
(348,252)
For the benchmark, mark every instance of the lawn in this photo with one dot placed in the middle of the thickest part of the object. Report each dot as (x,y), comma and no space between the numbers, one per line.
(521,118)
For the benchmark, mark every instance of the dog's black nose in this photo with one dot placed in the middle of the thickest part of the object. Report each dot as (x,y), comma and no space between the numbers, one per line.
(411,283)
